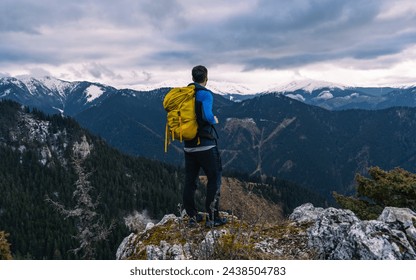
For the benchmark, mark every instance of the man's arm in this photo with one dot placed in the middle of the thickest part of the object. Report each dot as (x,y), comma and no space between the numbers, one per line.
(207,100)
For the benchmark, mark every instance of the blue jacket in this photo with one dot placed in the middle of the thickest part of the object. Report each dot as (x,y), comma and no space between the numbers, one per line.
(207,136)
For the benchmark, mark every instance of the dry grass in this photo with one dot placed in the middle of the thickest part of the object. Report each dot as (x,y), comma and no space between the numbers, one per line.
(239,199)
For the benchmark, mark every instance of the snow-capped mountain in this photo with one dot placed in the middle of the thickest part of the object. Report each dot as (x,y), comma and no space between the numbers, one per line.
(307,85)
(53,95)
(339,97)
(219,87)
(50,84)
(70,98)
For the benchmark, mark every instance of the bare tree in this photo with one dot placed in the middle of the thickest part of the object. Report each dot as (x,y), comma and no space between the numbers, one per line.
(90,225)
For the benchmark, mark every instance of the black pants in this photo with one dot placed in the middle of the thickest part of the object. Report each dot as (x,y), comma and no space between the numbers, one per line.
(210,162)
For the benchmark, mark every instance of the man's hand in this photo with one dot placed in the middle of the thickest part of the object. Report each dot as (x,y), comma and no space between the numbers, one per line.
(216,119)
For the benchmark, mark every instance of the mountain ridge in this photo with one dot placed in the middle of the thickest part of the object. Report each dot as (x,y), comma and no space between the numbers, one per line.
(84,94)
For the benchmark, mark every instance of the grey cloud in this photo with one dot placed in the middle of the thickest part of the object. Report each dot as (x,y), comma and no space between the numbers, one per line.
(99,71)
(21,49)
(279,34)
(31,30)
(28,16)
(39,72)
(173,56)
(5,74)
(147,76)
(133,13)
(273,34)
(284,62)
(9,54)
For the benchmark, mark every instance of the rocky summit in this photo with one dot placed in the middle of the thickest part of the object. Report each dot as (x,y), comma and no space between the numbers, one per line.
(309,233)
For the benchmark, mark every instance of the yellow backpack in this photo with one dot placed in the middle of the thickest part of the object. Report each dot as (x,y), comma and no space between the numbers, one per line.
(181,123)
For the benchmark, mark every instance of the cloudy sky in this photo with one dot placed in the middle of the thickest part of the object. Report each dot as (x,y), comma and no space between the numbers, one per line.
(131,43)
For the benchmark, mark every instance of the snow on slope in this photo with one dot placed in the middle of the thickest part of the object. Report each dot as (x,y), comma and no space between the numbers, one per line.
(225,87)
(56,85)
(51,84)
(214,86)
(325,95)
(30,84)
(93,92)
(307,85)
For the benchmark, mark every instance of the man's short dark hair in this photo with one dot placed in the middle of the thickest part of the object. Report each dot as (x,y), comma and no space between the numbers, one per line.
(199,74)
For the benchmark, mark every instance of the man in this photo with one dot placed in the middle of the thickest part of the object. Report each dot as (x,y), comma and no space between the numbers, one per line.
(202,152)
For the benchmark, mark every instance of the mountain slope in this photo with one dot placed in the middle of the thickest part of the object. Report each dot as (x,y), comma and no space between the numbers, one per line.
(322,149)
(133,122)
(35,152)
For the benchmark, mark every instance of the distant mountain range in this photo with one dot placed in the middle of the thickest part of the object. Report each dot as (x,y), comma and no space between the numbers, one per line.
(53,95)
(267,134)
(339,97)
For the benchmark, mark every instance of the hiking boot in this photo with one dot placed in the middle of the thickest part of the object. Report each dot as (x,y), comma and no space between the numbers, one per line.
(194,220)
(216,222)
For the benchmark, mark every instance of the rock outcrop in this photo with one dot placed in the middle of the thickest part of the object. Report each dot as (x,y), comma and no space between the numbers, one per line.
(310,233)
(339,234)
(173,239)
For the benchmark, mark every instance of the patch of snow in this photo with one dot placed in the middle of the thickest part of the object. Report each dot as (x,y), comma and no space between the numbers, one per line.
(14,81)
(408,86)
(93,92)
(325,95)
(229,88)
(5,93)
(38,130)
(351,96)
(30,84)
(59,109)
(296,97)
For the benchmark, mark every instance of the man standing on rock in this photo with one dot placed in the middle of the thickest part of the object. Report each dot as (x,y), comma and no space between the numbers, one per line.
(202,152)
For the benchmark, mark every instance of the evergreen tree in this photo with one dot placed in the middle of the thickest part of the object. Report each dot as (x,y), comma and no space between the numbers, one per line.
(395,188)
